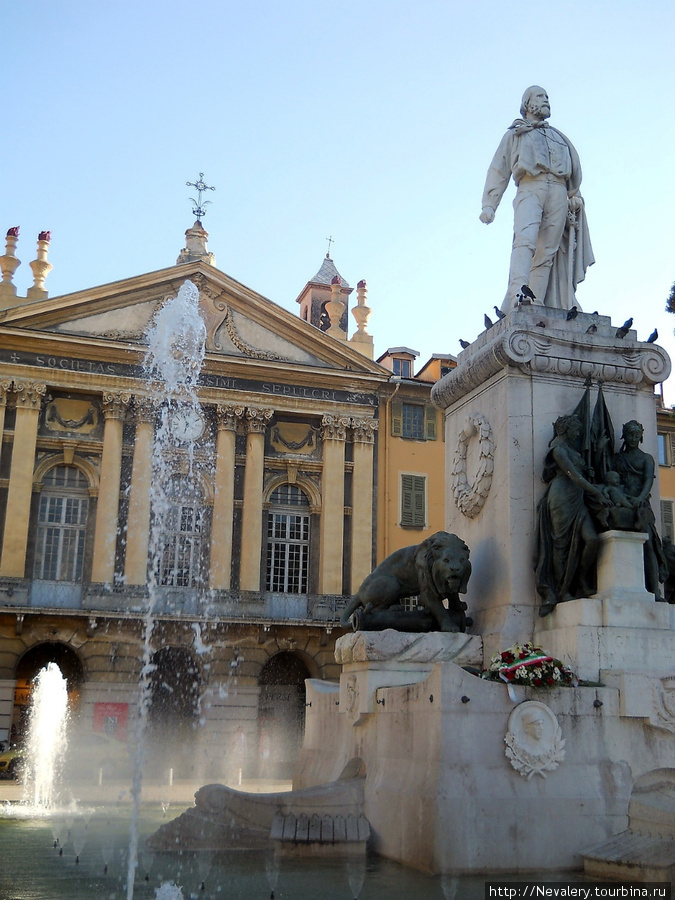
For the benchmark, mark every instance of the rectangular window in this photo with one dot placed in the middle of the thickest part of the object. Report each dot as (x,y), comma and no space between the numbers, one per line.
(667,520)
(413,501)
(663,449)
(413,422)
(181,546)
(287,553)
(402,367)
(59,546)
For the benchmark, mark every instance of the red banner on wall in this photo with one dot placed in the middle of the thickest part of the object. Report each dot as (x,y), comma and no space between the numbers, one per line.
(112,718)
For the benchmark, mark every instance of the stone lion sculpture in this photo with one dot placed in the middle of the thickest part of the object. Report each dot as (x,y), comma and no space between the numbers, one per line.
(438,569)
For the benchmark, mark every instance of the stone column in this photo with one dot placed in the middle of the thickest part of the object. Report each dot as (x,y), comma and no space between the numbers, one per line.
(362,500)
(251,527)
(114,408)
(28,399)
(138,526)
(223,498)
(333,433)
(5,387)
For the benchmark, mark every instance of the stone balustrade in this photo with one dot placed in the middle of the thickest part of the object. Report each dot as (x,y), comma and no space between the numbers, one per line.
(241,606)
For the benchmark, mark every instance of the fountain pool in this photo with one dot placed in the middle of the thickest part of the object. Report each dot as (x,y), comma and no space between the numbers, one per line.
(33,868)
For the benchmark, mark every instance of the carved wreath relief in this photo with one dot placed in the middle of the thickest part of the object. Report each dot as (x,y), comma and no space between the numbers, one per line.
(470,498)
(534,741)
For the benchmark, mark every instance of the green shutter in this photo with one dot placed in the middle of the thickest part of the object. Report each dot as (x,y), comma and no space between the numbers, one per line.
(430,415)
(397,419)
(413,501)
(667,519)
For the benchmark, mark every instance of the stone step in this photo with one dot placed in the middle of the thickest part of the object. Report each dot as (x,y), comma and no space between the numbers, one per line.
(631,856)
(325,829)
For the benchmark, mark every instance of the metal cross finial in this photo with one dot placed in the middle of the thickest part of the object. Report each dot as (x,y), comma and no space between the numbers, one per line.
(330,241)
(198,209)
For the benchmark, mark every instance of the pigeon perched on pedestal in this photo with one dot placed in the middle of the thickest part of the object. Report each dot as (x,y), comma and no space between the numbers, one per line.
(572,314)
(464,344)
(625,328)
(653,336)
(488,321)
(499,313)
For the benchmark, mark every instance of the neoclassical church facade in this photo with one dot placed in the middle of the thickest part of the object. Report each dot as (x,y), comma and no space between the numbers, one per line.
(283,492)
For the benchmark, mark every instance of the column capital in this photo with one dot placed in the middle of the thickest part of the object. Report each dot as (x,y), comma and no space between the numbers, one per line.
(29,394)
(334,428)
(5,388)
(227,417)
(145,409)
(257,419)
(364,430)
(115,404)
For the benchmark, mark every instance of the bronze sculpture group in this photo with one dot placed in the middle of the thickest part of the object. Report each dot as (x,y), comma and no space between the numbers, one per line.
(591,489)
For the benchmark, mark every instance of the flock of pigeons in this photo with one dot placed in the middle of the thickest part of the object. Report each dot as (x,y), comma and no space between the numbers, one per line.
(526,295)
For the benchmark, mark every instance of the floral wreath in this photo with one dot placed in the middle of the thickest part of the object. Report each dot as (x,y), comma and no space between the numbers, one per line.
(529,665)
(470,499)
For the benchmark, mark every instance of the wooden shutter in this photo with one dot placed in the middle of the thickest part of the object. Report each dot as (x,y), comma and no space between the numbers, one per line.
(667,519)
(430,417)
(397,419)
(413,501)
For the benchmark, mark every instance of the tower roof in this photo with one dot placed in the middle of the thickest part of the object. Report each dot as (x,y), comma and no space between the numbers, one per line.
(327,273)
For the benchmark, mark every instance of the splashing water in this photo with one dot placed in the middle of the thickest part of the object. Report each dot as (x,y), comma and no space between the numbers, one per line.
(176,347)
(169,891)
(177,340)
(46,743)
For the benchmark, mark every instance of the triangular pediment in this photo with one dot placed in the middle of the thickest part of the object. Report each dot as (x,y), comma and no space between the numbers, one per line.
(241,324)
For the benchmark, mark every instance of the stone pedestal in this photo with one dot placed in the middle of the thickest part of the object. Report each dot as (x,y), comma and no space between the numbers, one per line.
(372,659)
(449,778)
(621,566)
(595,637)
(500,403)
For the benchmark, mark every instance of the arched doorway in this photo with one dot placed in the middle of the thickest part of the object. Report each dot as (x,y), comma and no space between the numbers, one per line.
(27,668)
(173,714)
(281,714)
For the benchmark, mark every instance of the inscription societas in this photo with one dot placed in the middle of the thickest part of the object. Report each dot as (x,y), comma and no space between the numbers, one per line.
(75,365)
(273,388)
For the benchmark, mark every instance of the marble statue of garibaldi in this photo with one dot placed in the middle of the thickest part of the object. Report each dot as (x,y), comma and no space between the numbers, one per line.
(551,247)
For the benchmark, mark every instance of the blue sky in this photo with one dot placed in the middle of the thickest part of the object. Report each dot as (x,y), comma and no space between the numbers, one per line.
(370,121)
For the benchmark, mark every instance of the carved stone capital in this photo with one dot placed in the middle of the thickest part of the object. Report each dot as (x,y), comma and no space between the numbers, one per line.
(227,417)
(145,410)
(535,339)
(334,428)
(5,388)
(364,430)
(257,419)
(115,405)
(29,394)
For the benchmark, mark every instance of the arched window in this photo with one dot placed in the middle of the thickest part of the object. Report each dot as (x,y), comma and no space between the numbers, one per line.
(182,537)
(62,524)
(288,540)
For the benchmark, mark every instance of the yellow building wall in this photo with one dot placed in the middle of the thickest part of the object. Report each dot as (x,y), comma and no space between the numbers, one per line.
(397,456)
(665,425)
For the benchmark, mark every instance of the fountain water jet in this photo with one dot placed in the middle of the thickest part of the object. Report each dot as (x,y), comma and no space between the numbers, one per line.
(46,743)
(176,347)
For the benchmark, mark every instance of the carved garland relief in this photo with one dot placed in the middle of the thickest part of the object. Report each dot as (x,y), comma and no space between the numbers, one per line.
(470,498)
